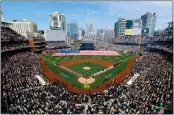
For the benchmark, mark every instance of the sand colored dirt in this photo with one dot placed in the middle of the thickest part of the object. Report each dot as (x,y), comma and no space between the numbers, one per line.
(68,63)
(86,68)
(86,80)
(119,78)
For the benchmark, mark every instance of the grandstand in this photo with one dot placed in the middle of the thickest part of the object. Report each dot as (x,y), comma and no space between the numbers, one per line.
(98,79)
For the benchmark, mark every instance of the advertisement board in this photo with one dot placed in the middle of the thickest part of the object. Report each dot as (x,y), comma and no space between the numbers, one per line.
(55,35)
(128,32)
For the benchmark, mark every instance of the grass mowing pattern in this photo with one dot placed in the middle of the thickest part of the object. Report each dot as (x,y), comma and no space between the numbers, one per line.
(72,79)
(109,74)
(94,68)
(123,57)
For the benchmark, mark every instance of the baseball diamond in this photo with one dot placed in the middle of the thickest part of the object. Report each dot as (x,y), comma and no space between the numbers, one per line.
(116,60)
(87,72)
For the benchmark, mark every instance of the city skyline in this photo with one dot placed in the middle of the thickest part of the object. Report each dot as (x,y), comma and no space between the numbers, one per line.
(101,14)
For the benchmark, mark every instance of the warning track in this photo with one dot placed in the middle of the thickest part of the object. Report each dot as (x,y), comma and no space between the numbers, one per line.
(119,78)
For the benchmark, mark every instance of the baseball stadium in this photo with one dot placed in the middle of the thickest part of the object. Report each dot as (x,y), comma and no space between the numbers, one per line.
(62,68)
(87,71)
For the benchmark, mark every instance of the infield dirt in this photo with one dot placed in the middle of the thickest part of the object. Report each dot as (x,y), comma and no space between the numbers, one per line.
(68,63)
(119,78)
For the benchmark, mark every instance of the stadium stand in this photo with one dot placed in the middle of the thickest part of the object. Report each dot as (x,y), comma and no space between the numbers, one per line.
(38,43)
(57,45)
(150,93)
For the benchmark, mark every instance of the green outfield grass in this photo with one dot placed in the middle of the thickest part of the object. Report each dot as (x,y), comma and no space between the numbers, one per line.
(79,68)
(72,79)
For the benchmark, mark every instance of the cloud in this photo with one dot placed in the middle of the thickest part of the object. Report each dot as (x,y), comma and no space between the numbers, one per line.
(100,13)
(133,10)
(162,3)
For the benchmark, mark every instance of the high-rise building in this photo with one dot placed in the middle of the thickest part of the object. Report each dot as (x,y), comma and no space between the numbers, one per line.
(81,33)
(102,36)
(23,26)
(148,23)
(57,21)
(119,28)
(89,27)
(129,28)
(129,24)
(137,26)
(133,27)
(72,30)
(137,23)
(90,36)
(41,32)
(101,30)
(170,24)
(108,33)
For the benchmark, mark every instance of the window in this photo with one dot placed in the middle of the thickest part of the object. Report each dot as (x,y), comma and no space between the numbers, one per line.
(59,17)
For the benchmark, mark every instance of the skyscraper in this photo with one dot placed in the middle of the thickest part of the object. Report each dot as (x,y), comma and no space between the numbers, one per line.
(108,33)
(148,23)
(89,27)
(72,30)
(101,30)
(137,26)
(57,21)
(133,27)
(129,24)
(23,26)
(119,28)
(100,34)
(81,33)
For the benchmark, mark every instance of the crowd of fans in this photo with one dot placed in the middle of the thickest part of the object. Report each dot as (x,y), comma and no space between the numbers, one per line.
(6,47)
(166,34)
(153,89)
(9,34)
(131,43)
(168,48)
(18,72)
(56,44)
(115,47)
(76,45)
(22,92)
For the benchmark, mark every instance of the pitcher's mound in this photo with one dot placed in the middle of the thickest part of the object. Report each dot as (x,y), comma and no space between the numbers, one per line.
(86,80)
(86,68)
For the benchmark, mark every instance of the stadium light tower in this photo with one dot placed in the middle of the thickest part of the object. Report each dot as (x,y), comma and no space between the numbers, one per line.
(140,43)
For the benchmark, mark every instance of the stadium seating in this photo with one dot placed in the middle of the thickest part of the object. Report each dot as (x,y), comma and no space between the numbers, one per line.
(22,93)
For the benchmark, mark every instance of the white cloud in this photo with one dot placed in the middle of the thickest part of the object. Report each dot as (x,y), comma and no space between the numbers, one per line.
(133,10)
(162,3)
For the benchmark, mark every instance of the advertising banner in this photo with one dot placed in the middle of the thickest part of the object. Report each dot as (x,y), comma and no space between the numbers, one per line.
(128,32)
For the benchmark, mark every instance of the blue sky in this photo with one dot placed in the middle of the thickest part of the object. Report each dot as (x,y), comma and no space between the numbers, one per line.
(101,14)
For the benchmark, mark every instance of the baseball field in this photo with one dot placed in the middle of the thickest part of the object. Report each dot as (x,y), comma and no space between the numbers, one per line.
(87,72)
